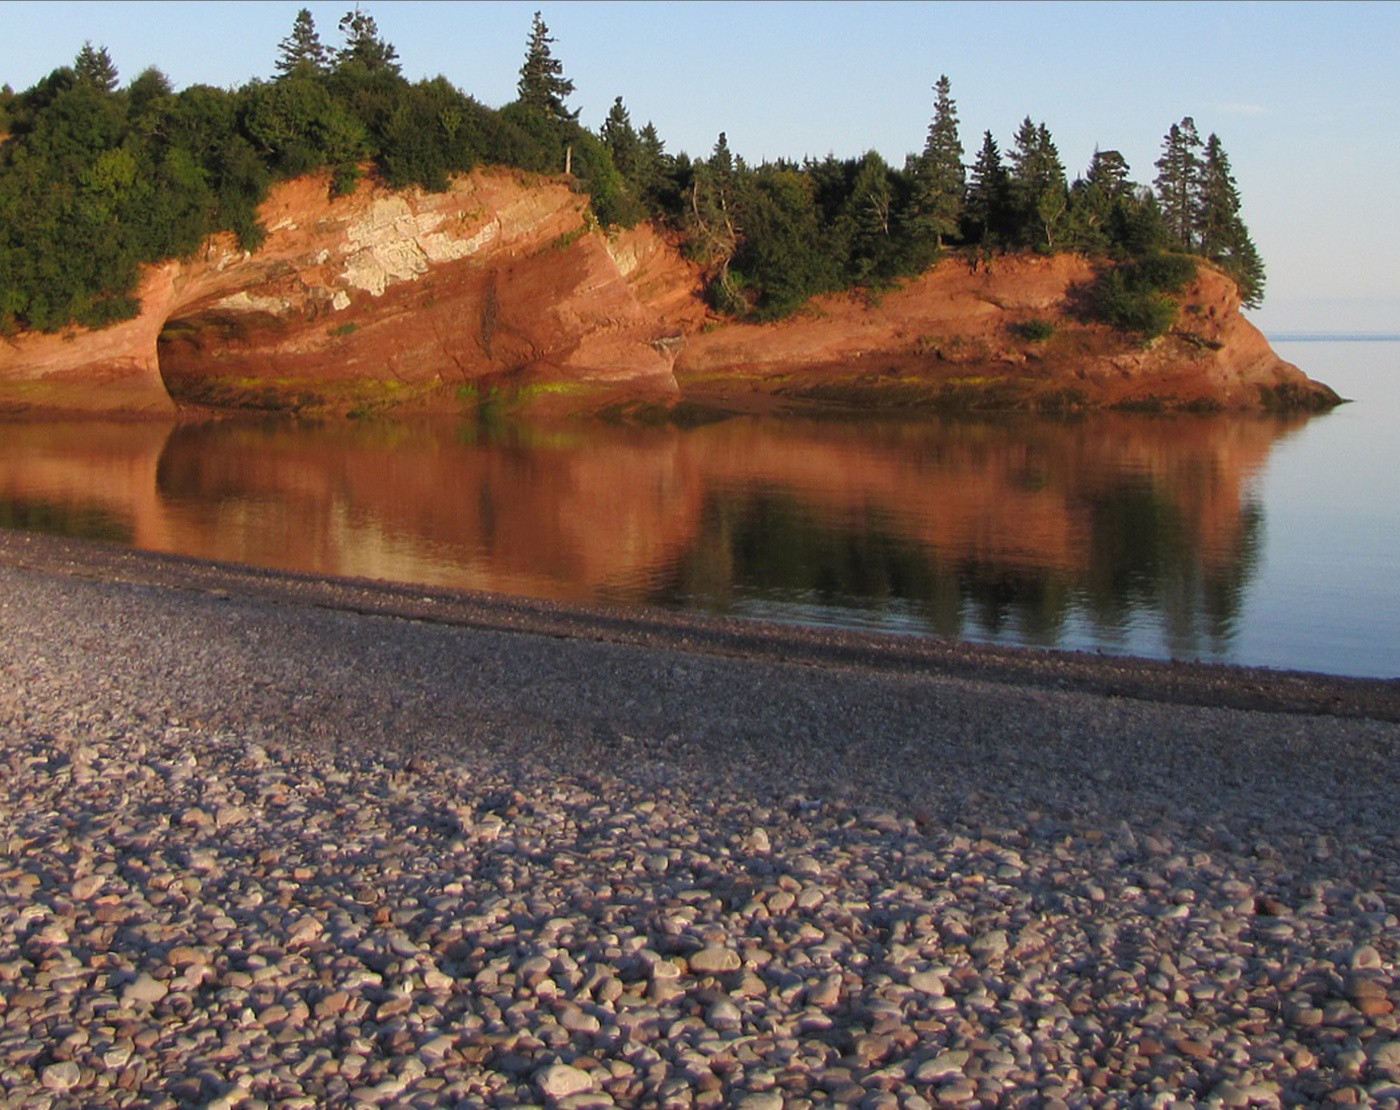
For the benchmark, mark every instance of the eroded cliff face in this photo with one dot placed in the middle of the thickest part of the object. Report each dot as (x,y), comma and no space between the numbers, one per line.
(380,300)
(957,338)
(502,287)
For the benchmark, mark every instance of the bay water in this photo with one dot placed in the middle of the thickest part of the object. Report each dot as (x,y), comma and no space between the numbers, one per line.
(1257,540)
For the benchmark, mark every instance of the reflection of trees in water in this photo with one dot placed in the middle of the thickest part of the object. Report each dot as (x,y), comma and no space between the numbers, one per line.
(56,518)
(1143,555)
(1035,531)
(766,544)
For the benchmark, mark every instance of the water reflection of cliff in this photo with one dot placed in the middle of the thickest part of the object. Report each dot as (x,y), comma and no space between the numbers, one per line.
(1010,529)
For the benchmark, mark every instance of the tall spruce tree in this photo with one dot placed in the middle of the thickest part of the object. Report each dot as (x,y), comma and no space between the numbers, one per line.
(543,85)
(938,181)
(621,139)
(1220,232)
(302,48)
(652,175)
(93,67)
(1178,182)
(364,49)
(987,211)
(1038,190)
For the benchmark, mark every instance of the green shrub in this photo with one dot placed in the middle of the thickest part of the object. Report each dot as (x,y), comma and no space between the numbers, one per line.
(1139,296)
(1160,273)
(1035,331)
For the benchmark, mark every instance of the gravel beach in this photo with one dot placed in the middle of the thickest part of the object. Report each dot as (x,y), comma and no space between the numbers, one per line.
(271,841)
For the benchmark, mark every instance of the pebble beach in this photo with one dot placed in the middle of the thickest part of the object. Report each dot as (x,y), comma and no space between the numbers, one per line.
(261,852)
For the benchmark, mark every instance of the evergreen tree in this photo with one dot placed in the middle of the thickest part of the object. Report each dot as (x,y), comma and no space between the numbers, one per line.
(1038,190)
(1178,182)
(1220,232)
(987,211)
(1108,172)
(621,139)
(364,49)
(1218,202)
(938,181)
(651,146)
(1247,268)
(640,159)
(94,68)
(1093,199)
(1135,226)
(654,177)
(543,85)
(721,163)
(303,48)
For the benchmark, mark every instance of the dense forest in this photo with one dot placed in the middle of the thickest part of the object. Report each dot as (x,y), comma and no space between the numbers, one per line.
(97,178)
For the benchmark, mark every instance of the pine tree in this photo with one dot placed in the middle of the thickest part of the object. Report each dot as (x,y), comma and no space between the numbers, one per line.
(1247,268)
(363,48)
(1220,233)
(302,48)
(653,170)
(94,68)
(721,162)
(1178,182)
(1094,198)
(543,85)
(653,149)
(1135,226)
(1038,189)
(938,185)
(1108,172)
(988,196)
(1218,202)
(621,139)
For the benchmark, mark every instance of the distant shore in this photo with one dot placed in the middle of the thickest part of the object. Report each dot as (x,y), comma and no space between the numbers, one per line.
(276,838)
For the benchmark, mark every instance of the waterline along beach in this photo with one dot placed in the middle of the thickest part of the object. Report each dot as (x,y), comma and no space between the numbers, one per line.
(270,853)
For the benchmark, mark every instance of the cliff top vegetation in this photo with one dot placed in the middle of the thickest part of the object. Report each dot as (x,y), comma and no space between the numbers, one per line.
(98,178)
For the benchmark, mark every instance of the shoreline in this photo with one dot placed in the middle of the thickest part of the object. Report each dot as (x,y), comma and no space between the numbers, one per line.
(1184,683)
(274,840)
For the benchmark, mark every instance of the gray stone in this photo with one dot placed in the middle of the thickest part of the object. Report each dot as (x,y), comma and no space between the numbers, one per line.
(61,1077)
(715,960)
(144,989)
(559,1081)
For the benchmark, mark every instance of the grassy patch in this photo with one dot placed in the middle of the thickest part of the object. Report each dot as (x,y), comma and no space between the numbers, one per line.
(1034,331)
(569,238)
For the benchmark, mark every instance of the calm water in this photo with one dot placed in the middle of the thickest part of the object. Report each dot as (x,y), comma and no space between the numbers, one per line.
(1246,540)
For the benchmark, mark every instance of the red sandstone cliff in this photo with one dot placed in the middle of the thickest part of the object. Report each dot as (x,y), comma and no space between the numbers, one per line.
(418,302)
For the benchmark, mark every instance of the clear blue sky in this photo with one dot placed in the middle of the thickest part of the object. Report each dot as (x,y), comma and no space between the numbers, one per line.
(1304,96)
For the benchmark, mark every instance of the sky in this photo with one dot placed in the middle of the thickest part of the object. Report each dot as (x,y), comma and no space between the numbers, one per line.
(1305,97)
